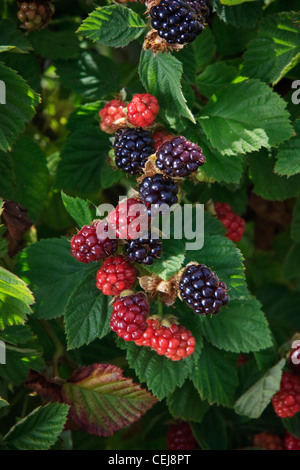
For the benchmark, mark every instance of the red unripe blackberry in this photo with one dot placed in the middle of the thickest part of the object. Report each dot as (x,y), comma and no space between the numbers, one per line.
(234,224)
(179,157)
(168,339)
(286,401)
(201,289)
(110,115)
(160,137)
(129,316)
(132,148)
(291,442)
(180,437)
(268,441)
(115,275)
(89,244)
(142,110)
(294,359)
(123,217)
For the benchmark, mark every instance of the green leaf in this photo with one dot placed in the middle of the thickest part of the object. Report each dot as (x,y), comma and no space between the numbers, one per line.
(11,38)
(295,227)
(171,259)
(254,401)
(3,403)
(114,26)
(82,158)
(211,434)
(276,48)
(53,274)
(86,115)
(161,76)
(279,188)
(221,168)
(109,176)
(19,107)
(227,263)
(231,41)
(214,77)
(245,15)
(161,375)
(288,159)
(55,44)
(26,65)
(292,425)
(103,400)
(39,430)
(18,363)
(205,48)
(179,403)
(15,299)
(83,212)
(232,131)
(85,75)
(235,2)
(87,313)
(29,176)
(291,262)
(215,376)
(238,329)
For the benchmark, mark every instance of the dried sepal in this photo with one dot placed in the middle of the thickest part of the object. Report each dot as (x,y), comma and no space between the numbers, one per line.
(157,44)
(154,286)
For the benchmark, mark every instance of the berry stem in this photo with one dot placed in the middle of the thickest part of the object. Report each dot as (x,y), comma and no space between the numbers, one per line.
(159,306)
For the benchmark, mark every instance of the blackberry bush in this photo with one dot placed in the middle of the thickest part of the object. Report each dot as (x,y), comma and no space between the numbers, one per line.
(118,323)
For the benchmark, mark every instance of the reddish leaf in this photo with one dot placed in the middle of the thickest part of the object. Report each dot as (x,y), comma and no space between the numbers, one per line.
(103,401)
(46,388)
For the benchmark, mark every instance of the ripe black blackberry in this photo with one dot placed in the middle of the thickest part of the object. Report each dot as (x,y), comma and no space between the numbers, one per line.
(175,21)
(132,148)
(201,289)
(157,190)
(143,250)
(179,157)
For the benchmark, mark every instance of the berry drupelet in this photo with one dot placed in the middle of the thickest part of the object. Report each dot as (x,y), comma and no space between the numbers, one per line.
(115,275)
(201,289)
(180,437)
(291,442)
(110,115)
(160,137)
(142,110)
(268,441)
(173,341)
(286,401)
(88,246)
(179,157)
(157,190)
(235,225)
(132,148)
(122,219)
(129,316)
(143,250)
(34,15)
(175,21)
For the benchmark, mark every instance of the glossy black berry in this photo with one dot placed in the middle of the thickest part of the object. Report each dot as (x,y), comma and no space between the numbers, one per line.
(132,148)
(201,289)
(143,250)
(157,190)
(179,157)
(175,21)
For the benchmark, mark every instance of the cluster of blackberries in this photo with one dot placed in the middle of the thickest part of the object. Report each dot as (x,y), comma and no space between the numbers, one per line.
(179,21)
